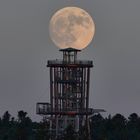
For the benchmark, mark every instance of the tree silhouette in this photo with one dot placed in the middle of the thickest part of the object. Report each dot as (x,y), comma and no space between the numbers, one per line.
(24,127)
(119,127)
(133,127)
(6,117)
(98,130)
(21,115)
(115,127)
(69,133)
(42,131)
(5,125)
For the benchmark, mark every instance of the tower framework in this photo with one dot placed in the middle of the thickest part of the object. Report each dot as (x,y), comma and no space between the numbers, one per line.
(69,94)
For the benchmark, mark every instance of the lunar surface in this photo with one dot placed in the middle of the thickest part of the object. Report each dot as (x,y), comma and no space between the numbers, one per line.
(71,27)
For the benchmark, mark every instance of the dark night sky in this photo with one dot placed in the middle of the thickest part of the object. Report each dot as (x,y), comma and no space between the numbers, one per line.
(25,47)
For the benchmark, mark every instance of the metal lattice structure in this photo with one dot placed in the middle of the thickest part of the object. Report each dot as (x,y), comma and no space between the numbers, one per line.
(69,93)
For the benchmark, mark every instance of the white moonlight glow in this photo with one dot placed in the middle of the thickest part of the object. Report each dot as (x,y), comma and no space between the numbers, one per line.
(71,27)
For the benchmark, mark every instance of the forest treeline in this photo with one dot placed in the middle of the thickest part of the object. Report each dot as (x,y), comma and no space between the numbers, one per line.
(115,127)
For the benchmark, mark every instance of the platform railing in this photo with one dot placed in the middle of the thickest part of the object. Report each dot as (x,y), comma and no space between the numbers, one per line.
(57,61)
(45,108)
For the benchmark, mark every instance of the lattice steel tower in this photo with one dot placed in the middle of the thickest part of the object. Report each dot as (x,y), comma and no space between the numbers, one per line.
(69,93)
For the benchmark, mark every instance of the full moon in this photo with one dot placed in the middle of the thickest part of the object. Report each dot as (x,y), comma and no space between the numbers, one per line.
(71,27)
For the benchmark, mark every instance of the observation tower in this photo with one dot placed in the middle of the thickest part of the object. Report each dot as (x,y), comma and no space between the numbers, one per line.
(69,77)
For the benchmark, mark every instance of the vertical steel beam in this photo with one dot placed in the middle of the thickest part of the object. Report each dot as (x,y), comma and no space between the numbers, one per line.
(88,79)
(51,87)
(51,98)
(87,102)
